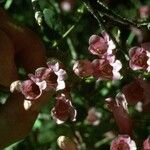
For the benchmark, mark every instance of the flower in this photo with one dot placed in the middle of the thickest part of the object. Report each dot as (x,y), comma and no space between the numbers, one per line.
(146,144)
(63,110)
(53,75)
(67,5)
(137,91)
(107,68)
(139,59)
(133,92)
(120,112)
(93,116)
(83,68)
(65,143)
(32,90)
(100,45)
(144,11)
(123,142)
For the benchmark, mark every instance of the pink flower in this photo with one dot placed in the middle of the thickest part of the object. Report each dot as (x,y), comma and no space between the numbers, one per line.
(83,68)
(144,11)
(53,75)
(133,92)
(139,59)
(67,5)
(120,113)
(123,142)
(63,110)
(146,144)
(32,90)
(93,116)
(100,45)
(107,68)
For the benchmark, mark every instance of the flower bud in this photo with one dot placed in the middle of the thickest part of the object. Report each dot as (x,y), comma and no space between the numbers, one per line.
(15,86)
(66,143)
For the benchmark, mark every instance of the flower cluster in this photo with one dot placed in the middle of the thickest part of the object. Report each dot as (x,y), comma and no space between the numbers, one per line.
(124,142)
(136,91)
(47,78)
(106,67)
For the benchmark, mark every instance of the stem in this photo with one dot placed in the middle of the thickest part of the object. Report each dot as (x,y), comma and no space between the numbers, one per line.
(109,33)
(68,31)
(94,13)
(78,14)
(106,12)
(100,21)
(115,16)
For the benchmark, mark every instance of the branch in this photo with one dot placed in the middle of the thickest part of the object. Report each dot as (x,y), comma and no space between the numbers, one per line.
(99,6)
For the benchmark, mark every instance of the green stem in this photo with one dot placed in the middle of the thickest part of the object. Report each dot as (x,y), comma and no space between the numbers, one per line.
(68,31)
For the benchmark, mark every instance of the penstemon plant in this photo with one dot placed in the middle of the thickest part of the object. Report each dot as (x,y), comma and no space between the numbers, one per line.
(100,74)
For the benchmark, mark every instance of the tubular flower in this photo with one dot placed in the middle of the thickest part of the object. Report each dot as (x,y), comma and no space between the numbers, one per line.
(139,59)
(63,110)
(133,92)
(123,142)
(53,75)
(120,113)
(107,68)
(83,68)
(32,90)
(100,45)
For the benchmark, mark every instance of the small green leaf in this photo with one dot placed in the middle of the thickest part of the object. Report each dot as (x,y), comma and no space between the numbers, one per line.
(52,20)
